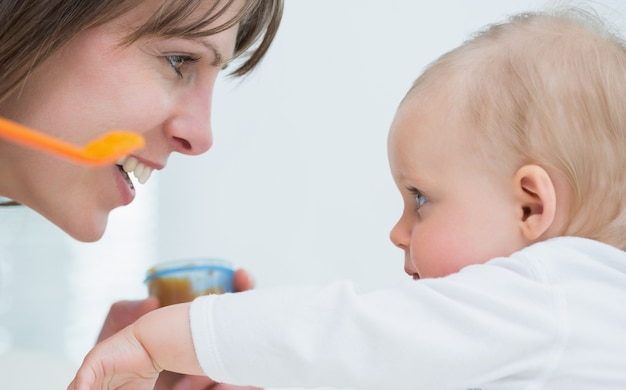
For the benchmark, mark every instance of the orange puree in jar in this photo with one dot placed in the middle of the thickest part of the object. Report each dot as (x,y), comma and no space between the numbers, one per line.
(183,281)
(176,290)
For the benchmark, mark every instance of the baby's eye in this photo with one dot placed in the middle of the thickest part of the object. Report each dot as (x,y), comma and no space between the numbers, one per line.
(420,198)
(178,61)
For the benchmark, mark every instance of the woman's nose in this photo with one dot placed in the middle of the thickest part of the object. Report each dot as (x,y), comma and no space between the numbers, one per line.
(189,129)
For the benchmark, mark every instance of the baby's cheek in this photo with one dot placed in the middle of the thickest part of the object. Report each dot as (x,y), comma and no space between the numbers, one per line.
(437,255)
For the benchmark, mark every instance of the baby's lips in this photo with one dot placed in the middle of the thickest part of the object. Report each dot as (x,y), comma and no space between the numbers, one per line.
(414,274)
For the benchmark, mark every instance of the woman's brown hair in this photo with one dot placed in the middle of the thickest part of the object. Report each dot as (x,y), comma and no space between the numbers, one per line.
(31,30)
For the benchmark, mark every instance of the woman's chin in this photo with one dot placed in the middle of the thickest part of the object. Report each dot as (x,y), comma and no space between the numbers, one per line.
(86,230)
(89,237)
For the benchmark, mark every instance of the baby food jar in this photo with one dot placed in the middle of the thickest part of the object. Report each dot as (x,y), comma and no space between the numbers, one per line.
(184,280)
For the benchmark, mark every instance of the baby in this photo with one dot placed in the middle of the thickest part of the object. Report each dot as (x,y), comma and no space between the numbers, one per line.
(510,155)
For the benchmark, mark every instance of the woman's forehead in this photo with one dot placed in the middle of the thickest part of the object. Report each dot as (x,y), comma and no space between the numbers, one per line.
(190,18)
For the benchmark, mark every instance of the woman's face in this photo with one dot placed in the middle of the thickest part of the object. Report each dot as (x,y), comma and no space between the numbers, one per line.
(161,88)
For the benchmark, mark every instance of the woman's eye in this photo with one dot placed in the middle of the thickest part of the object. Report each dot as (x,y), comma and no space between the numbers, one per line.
(178,62)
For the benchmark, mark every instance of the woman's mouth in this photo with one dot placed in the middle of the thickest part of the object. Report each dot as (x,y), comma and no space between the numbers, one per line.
(126,177)
(140,170)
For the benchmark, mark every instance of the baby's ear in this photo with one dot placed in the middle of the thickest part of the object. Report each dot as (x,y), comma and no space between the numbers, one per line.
(536,198)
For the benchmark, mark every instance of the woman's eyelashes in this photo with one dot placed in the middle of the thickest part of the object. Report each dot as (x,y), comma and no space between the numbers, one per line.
(420,198)
(178,62)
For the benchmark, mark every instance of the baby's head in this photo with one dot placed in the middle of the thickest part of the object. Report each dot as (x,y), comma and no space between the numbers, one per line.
(517,136)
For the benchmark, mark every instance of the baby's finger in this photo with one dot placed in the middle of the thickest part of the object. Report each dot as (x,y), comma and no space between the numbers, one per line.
(80,382)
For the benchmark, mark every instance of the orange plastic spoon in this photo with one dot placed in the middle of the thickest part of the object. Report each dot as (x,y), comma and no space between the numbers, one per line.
(107,149)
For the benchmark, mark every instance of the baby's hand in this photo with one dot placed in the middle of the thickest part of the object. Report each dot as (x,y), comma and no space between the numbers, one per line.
(118,362)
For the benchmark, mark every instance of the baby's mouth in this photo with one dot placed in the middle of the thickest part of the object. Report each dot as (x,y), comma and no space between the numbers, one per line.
(140,170)
(412,273)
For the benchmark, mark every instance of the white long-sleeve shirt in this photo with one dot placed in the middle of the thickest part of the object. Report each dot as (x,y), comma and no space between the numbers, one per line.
(551,316)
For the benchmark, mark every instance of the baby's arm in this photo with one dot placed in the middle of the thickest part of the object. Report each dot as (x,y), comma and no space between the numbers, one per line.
(133,358)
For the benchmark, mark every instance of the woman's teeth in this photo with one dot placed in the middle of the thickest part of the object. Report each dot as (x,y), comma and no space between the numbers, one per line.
(140,171)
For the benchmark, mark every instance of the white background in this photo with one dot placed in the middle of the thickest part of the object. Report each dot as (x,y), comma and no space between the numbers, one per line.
(296,188)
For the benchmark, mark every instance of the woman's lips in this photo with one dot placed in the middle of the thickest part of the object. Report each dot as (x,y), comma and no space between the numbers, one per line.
(125,185)
(126,177)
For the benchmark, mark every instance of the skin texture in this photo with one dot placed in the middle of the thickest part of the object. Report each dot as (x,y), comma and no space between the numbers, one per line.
(93,85)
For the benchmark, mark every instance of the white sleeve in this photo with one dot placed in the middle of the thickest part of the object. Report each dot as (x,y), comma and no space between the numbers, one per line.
(481,324)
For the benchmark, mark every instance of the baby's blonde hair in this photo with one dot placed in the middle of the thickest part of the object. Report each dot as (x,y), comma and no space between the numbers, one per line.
(549,89)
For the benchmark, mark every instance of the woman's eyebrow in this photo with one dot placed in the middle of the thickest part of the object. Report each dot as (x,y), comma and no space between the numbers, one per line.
(217,55)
